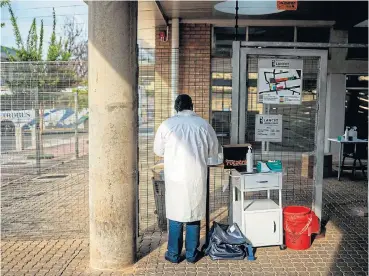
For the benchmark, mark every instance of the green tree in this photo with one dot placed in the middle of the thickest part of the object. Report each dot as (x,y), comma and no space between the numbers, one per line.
(55,48)
(2,4)
(50,78)
(32,51)
(46,77)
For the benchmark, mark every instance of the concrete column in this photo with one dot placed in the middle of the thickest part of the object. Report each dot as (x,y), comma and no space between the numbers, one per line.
(338,55)
(335,110)
(336,91)
(19,138)
(112,80)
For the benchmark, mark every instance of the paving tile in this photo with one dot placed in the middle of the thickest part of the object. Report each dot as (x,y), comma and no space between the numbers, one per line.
(303,273)
(317,273)
(342,252)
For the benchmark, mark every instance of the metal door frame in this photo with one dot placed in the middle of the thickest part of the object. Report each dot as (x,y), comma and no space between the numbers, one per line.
(239,101)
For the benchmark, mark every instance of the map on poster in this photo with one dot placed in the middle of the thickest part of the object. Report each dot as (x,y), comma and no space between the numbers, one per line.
(280,81)
(268,128)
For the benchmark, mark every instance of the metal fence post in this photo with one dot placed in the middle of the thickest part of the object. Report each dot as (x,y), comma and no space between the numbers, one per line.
(76,123)
(37,128)
(41,112)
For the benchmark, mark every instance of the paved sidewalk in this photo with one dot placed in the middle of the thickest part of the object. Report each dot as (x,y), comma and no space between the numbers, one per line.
(16,165)
(344,250)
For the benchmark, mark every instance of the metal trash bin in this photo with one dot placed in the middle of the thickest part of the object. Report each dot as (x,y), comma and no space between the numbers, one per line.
(159,195)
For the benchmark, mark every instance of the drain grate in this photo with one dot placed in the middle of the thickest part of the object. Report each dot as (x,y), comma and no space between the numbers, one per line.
(14,163)
(54,176)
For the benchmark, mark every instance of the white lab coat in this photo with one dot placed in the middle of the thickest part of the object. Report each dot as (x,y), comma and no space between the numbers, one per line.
(186,141)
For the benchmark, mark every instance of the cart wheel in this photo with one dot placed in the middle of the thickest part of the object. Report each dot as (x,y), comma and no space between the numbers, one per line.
(283,247)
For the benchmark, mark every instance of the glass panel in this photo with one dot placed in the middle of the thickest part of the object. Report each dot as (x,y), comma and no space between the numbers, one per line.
(358,35)
(271,34)
(224,36)
(310,34)
(221,96)
(357,104)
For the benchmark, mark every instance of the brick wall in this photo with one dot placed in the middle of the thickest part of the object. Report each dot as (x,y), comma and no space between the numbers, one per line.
(195,64)
(194,70)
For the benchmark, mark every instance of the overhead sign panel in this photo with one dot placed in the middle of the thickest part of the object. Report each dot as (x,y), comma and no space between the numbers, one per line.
(286,5)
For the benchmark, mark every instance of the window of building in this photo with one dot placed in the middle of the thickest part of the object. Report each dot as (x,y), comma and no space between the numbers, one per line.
(358,35)
(357,104)
(284,34)
(221,97)
(312,34)
(223,37)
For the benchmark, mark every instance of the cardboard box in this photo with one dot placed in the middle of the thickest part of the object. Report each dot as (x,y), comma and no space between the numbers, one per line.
(234,156)
(307,165)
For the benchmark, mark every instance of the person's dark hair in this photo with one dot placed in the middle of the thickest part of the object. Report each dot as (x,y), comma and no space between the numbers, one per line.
(183,102)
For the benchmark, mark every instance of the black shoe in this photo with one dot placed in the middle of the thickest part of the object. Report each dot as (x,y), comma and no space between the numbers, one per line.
(173,262)
(199,256)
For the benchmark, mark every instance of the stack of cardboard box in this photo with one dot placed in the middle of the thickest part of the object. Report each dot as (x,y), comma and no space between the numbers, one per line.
(307,165)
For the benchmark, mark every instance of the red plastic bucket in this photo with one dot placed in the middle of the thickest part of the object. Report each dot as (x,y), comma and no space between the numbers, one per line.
(299,223)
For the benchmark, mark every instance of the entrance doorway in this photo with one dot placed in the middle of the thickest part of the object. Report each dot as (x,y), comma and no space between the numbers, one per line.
(289,84)
(356,111)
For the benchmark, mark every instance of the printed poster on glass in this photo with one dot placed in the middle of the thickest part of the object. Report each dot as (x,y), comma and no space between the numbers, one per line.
(280,81)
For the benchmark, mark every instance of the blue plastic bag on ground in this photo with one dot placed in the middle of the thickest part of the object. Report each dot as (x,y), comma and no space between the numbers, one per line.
(228,243)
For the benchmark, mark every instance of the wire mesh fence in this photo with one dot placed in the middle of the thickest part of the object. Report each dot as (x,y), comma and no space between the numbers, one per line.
(44,148)
(44,131)
(299,125)
(221,108)
(194,77)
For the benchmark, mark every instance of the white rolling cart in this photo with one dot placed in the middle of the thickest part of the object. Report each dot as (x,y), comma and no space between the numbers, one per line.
(260,220)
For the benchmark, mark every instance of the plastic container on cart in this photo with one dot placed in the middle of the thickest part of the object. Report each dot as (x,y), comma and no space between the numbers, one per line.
(275,165)
(159,195)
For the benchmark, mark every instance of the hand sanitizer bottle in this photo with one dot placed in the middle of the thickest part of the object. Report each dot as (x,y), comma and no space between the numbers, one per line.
(249,160)
(346,135)
(351,134)
(354,133)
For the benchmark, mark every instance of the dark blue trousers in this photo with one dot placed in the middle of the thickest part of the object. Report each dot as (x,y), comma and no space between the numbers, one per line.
(175,240)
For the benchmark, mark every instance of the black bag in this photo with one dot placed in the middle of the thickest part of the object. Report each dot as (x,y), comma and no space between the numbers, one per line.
(228,243)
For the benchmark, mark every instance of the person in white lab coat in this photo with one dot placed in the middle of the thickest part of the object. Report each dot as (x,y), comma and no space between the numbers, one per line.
(186,141)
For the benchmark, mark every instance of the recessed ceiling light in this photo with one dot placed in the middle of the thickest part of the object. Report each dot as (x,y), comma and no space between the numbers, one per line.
(248,7)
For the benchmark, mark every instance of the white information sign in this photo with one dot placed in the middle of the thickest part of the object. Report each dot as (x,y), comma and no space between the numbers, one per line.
(268,128)
(280,81)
